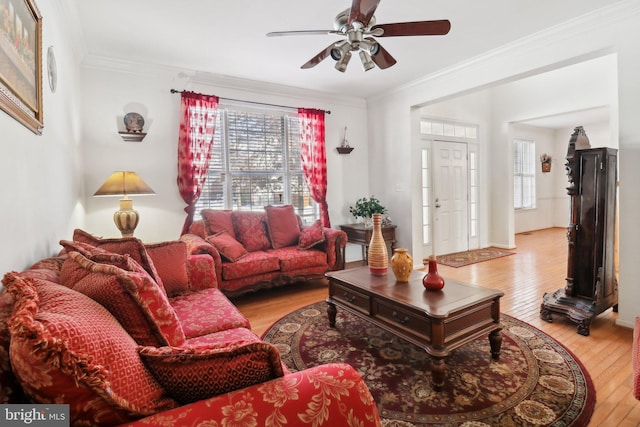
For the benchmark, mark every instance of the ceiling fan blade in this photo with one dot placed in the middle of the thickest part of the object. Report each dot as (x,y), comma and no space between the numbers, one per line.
(319,57)
(382,58)
(418,28)
(362,11)
(302,33)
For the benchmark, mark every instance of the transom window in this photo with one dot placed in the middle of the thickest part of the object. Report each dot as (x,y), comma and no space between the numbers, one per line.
(524,174)
(255,161)
(451,129)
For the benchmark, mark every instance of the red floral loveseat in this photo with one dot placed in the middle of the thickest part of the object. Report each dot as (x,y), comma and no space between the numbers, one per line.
(127,333)
(255,250)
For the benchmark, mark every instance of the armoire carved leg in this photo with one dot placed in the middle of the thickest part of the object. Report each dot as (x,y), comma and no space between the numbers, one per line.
(545,314)
(584,327)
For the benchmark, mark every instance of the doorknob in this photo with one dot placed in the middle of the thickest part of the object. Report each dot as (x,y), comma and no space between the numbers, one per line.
(437,204)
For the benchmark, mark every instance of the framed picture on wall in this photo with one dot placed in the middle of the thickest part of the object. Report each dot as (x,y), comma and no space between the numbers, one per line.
(21,62)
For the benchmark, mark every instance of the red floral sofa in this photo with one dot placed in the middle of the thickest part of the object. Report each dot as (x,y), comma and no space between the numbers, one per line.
(255,250)
(135,334)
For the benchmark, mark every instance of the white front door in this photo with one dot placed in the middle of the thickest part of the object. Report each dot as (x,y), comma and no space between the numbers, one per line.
(450,197)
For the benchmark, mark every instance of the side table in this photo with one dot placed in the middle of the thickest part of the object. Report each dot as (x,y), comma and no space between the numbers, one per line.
(361,235)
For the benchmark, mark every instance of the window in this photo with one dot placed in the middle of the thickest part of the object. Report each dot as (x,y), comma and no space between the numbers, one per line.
(473,192)
(441,128)
(255,161)
(524,174)
(426,197)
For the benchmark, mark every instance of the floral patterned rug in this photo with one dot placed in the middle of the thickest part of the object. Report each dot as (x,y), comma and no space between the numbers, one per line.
(535,382)
(460,259)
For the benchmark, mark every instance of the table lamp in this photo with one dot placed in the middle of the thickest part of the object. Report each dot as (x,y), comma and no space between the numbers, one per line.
(124,183)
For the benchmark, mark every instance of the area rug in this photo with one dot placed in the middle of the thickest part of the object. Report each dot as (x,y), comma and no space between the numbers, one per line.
(460,259)
(536,380)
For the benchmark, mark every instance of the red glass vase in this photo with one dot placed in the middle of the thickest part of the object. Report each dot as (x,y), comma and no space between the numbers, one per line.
(433,281)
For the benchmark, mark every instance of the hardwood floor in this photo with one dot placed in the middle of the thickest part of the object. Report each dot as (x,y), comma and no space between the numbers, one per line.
(539,266)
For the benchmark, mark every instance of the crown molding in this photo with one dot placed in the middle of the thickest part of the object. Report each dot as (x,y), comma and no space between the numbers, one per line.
(270,89)
(193,78)
(608,16)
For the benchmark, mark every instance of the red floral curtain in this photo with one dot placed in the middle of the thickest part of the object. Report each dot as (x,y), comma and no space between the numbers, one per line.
(314,158)
(197,125)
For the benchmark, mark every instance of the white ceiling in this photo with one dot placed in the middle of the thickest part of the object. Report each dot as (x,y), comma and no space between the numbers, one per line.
(227,38)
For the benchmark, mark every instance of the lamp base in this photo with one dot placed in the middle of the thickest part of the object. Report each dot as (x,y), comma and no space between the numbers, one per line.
(126,218)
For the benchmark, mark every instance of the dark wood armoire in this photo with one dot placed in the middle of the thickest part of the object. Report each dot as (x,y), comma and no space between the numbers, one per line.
(591,283)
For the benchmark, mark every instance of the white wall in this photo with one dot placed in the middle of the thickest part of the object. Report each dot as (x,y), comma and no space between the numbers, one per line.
(584,85)
(40,175)
(610,31)
(551,93)
(552,204)
(542,215)
(112,89)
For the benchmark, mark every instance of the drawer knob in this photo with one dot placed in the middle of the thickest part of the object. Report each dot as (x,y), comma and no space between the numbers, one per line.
(349,298)
(398,319)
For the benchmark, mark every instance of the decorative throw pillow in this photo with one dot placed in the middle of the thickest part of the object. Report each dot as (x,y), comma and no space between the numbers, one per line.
(125,245)
(170,260)
(133,298)
(71,272)
(311,235)
(227,246)
(282,223)
(193,373)
(217,221)
(251,230)
(10,391)
(85,249)
(65,344)
(198,228)
(205,312)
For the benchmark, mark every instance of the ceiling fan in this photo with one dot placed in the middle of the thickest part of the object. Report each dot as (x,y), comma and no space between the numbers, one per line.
(359,26)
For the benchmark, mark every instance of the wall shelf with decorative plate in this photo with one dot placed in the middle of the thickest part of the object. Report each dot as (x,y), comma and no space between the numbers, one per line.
(134,124)
(132,136)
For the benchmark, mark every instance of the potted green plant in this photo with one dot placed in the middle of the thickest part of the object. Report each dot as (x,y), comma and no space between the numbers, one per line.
(365,208)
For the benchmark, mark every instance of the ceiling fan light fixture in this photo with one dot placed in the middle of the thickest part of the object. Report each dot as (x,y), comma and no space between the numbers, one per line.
(341,65)
(339,50)
(357,25)
(374,49)
(365,58)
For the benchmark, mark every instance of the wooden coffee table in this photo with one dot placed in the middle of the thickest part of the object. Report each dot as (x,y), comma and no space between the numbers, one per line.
(436,321)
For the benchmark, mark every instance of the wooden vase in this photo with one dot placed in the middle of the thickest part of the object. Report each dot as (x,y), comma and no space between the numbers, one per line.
(433,281)
(377,252)
(401,264)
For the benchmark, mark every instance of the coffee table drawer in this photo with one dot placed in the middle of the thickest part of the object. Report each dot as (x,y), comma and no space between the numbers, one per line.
(348,297)
(403,320)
